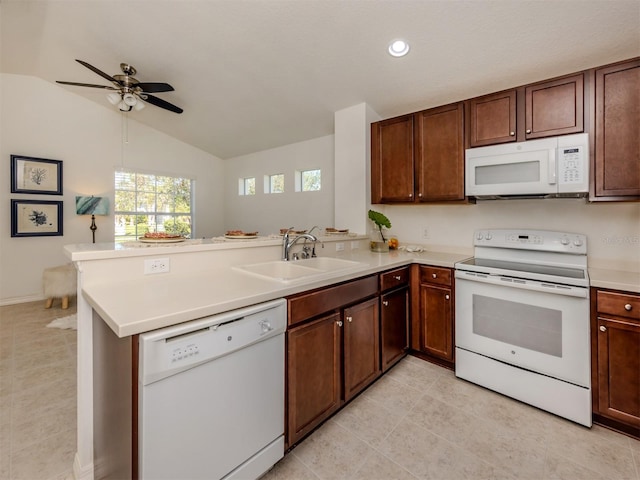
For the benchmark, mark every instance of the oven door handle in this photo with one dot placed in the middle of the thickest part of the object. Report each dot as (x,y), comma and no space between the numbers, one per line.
(534,285)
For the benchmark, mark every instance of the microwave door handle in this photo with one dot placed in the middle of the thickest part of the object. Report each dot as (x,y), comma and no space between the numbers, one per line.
(552,171)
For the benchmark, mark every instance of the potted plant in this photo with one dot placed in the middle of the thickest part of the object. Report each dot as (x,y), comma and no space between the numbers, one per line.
(378,242)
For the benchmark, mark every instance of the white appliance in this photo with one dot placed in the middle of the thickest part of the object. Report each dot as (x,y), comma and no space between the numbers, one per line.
(522,319)
(550,167)
(211,396)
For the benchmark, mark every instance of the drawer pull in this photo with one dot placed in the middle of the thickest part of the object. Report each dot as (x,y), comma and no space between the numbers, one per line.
(339,322)
(385,303)
(398,277)
(627,307)
(349,319)
(446,297)
(434,275)
(603,328)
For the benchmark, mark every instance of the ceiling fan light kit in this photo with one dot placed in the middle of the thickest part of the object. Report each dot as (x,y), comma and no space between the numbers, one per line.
(129,93)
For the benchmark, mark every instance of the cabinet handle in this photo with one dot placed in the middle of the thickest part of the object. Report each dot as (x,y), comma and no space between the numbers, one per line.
(420,195)
(603,328)
(398,277)
(349,319)
(434,275)
(528,130)
(339,322)
(627,307)
(411,195)
(385,303)
(446,297)
(513,134)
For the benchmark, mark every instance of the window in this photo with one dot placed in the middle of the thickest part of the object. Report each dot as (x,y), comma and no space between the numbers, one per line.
(274,183)
(308,180)
(151,203)
(247,186)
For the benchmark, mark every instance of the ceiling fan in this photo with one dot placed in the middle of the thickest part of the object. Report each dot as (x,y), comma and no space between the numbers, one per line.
(129,93)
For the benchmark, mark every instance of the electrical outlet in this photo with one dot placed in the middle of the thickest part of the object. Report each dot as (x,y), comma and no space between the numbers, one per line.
(355,245)
(156,265)
(339,247)
(425,233)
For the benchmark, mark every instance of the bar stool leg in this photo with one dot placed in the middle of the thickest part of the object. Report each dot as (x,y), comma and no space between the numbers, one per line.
(65,302)
(49,303)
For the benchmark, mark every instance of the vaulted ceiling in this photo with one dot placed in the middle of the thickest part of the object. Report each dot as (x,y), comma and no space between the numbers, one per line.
(256,74)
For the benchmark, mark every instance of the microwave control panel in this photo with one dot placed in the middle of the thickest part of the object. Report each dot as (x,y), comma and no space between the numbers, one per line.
(571,167)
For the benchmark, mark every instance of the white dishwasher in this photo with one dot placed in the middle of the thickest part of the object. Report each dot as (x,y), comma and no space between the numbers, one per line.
(211,396)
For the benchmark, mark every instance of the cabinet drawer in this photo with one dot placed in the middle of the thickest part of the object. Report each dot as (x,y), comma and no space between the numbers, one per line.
(394,278)
(439,276)
(619,304)
(308,305)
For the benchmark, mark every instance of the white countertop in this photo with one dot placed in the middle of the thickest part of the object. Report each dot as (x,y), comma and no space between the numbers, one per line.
(615,279)
(130,307)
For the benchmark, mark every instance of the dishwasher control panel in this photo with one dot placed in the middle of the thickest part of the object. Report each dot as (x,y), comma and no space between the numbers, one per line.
(174,349)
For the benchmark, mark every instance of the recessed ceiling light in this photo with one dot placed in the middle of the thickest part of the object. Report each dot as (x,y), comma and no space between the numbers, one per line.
(398,48)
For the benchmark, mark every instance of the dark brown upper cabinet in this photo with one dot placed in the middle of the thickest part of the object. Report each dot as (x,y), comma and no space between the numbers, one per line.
(419,157)
(493,119)
(617,132)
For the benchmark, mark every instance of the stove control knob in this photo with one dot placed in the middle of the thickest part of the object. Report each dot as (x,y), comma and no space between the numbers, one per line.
(489,236)
(565,241)
(479,236)
(577,242)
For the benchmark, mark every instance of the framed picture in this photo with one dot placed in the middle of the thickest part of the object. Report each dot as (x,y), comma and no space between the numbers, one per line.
(36,175)
(36,218)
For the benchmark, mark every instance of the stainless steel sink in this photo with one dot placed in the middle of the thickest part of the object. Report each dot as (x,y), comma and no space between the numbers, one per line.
(294,270)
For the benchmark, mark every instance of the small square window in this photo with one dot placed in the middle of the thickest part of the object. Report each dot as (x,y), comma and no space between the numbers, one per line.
(247,186)
(308,180)
(274,183)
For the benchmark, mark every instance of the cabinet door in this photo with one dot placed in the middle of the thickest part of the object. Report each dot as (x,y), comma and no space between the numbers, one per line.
(555,107)
(617,143)
(394,316)
(493,119)
(439,156)
(361,346)
(313,375)
(392,178)
(619,370)
(437,321)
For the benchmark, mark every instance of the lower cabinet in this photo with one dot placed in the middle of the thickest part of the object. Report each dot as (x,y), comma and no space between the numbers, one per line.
(616,359)
(333,351)
(432,320)
(394,316)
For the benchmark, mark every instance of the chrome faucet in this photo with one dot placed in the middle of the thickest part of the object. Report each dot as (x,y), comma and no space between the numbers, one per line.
(287,244)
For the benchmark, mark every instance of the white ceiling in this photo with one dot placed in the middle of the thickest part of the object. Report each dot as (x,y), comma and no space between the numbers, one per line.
(256,74)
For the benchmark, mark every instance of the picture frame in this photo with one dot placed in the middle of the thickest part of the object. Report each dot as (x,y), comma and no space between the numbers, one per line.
(36,175)
(36,218)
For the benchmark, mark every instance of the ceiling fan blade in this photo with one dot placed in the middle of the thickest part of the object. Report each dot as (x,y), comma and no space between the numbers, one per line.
(154,87)
(99,72)
(158,102)
(107,87)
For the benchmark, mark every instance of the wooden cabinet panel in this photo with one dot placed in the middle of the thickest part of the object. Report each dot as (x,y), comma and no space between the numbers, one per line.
(619,370)
(314,374)
(619,304)
(439,153)
(617,143)
(361,346)
(394,278)
(308,305)
(392,172)
(493,119)
(437,322)
(435,275)
(555,107)
(394,317)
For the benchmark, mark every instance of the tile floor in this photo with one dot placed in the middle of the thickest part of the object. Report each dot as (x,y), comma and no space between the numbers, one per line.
(418,421)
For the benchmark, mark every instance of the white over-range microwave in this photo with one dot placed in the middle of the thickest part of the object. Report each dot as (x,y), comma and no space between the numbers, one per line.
(550,167)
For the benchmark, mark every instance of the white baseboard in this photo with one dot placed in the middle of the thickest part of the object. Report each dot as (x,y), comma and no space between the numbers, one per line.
(25,299)
(82,472)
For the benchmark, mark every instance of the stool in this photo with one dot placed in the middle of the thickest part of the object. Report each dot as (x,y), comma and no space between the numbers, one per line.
(59,282)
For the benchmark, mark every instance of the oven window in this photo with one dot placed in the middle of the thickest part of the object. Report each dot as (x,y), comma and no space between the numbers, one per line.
(518,324)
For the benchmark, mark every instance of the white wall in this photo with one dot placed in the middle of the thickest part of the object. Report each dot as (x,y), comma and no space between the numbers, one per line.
(267,213)
(41,119)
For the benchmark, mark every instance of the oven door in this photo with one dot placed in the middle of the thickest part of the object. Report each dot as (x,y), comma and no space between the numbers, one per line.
(534,325)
